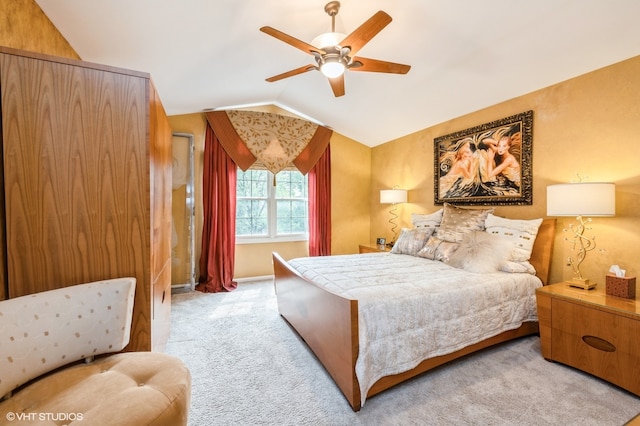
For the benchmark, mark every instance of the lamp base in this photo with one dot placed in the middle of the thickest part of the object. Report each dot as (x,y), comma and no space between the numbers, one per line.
(582,283)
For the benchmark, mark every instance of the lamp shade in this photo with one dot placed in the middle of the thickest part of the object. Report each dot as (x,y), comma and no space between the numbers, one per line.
(393,196)
(581,199)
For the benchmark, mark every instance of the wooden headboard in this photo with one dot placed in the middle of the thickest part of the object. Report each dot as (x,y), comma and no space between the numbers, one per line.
(543,249)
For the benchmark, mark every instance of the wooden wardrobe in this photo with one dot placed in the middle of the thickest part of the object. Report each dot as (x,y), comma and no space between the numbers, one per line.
(86,183)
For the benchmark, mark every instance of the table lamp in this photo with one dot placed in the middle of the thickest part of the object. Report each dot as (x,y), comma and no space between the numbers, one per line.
(581,199)
(393,196)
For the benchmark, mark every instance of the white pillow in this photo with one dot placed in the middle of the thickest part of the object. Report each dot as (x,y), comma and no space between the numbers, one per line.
(481,253)
(431,220)
(521,234)
(518,267)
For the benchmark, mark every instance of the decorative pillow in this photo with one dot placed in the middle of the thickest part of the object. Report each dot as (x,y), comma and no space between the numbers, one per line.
(518,267)
(520,233)
(431,220)
(437,249)
(481,253)
(458,221)
(411,241)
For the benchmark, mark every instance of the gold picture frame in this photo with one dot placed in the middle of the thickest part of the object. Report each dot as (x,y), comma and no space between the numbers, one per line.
(488,164)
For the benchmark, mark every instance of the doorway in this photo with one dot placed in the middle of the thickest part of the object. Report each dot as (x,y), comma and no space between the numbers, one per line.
(183,213)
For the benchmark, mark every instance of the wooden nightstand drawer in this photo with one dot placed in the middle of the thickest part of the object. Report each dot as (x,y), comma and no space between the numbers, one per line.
(373,248)
(599,342)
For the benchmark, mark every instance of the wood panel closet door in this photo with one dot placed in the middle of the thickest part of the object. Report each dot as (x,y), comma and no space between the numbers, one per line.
(161,164)
(79,169)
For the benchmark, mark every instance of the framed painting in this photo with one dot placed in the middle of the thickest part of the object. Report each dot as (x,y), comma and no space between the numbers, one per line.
(488,164)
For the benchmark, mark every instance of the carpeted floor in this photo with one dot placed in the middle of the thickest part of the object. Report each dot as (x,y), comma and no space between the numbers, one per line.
(249,368)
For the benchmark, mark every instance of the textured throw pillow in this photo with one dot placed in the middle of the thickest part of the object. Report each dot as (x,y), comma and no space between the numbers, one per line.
(518,267)
(481,253)
(521,234)
(437,249)
(431,220)
(458,221)
(411,241)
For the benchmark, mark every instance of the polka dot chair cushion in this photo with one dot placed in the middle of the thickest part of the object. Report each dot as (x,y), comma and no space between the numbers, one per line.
(43,331)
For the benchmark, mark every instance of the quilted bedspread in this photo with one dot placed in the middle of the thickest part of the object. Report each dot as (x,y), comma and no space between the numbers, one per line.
(411,308)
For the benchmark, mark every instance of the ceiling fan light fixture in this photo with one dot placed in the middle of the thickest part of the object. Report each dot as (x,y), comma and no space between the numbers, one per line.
(333,67)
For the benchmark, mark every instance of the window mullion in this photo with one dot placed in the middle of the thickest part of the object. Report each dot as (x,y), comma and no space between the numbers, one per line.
(273,211)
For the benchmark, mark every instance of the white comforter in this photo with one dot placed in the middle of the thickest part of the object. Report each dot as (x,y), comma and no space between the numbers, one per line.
(411,308)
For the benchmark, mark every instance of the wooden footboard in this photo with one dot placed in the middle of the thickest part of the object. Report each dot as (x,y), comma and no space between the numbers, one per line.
(327,322)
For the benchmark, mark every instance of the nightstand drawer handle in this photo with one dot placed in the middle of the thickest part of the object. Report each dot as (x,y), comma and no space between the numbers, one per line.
(599,343)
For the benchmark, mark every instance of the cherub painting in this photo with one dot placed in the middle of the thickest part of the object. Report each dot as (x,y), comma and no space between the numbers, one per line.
(489,164)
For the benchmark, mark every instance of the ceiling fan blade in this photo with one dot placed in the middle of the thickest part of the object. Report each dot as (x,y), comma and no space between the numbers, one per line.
(365,32)
(375,65)
(337,85)
(298,44)
(292,73)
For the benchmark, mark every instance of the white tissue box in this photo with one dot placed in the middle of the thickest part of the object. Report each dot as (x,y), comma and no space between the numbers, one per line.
(621,286)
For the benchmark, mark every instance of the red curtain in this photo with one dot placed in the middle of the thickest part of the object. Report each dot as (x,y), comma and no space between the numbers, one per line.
(219,227)
(320,206)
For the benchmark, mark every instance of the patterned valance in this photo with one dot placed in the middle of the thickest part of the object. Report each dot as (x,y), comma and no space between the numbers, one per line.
(277,141)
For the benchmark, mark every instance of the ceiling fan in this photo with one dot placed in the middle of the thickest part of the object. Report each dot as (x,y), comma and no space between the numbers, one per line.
(334,52)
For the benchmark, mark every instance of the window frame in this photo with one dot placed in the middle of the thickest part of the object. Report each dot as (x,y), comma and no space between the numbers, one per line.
(272,216)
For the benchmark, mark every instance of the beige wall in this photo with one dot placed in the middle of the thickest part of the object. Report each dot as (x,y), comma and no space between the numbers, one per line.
(23,25)
(588,126)
(350,188)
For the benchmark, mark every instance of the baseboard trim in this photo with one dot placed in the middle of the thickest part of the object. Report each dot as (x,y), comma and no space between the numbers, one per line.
(258,278)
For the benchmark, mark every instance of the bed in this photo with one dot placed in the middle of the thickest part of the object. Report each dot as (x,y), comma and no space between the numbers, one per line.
(329,322)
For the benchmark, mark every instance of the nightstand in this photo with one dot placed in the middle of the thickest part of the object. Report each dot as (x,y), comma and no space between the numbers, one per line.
(373,248)
(591,331)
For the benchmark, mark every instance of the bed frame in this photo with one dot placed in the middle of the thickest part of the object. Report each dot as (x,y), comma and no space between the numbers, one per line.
(328,323)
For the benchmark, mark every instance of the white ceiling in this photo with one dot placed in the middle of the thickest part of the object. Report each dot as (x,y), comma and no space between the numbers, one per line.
(465,55)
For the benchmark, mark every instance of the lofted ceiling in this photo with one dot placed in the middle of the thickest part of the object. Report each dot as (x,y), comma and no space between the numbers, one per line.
(464,55)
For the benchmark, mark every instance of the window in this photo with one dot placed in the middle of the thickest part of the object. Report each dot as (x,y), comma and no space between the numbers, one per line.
(267,213)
